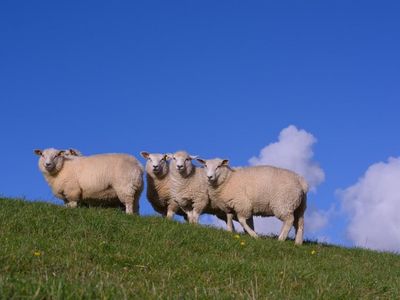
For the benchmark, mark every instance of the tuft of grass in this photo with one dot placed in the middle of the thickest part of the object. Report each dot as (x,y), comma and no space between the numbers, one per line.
(51,252)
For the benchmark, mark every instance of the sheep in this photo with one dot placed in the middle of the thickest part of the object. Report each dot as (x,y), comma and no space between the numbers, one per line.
(188,185)
(104,179)
(189,190)
(158,185)
(258,191)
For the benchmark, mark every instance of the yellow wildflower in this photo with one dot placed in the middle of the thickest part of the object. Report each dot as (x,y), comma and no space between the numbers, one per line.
(242,243)
(37,253)
(313,252)
(236,236)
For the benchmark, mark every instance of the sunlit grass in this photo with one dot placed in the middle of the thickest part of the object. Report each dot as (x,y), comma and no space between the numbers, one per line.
(50,252)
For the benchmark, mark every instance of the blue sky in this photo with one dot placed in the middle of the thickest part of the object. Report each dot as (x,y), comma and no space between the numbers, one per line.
(218,78)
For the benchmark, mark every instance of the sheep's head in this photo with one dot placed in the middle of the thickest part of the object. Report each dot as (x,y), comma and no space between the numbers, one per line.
(214,168)
(156,162)
(51,160)
(182,162)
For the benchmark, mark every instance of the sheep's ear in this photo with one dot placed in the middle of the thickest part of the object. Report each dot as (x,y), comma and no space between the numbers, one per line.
(166,157)
(193,156)
(74,152)
(38,152)
(61,152)
(202,161)
(169,156)
(145,154)
(225,162)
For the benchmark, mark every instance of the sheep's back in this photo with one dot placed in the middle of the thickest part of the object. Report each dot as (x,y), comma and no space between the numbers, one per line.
(267,188)
(99,172)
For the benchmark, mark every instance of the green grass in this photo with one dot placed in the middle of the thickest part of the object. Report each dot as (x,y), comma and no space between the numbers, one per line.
(50,252)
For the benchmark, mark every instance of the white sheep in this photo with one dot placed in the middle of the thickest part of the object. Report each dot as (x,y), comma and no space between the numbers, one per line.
(104,179)
(159,185)
(188,185)
(258,191)
(189,189)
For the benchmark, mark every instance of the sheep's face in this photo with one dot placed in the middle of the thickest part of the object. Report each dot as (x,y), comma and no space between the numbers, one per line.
(51,160)
(214,168)
(156,163)
(182,162)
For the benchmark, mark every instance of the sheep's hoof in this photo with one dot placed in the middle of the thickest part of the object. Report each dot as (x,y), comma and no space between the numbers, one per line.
(254,235)
(72,204)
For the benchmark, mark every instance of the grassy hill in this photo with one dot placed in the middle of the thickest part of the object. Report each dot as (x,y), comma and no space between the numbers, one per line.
(50,252)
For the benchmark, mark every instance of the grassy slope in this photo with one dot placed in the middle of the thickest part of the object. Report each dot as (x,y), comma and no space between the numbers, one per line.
(49,251)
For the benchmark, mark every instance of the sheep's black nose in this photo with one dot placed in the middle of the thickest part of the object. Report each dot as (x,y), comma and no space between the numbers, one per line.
(48,164)
(155,167)
(209,177)
(180,167)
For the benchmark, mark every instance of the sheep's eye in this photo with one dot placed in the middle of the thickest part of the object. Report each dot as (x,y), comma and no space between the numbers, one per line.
(174,158)
(187,159)
(205,166)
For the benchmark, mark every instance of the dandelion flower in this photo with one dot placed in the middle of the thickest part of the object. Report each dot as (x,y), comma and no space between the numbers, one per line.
(37,253)
(313,252)
(242,243)
(236,236)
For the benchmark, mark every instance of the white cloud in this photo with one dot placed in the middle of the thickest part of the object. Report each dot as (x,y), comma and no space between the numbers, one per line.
(293,151)
(373,207)
(316,220)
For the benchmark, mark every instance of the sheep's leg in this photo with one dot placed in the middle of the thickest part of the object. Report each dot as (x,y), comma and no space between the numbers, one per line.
(136,198)
(299,221)
(249,222)
(189,214)
(129,200)
(299,227)
(287,224)
(172,208)
(195,217)
(229,223)
(170,214)
(72,204)
(246,227)
(129,208)
(72,198)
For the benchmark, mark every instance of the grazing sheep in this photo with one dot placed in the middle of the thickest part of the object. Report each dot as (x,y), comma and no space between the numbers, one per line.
(159,185)
(104,179)
(258,191)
